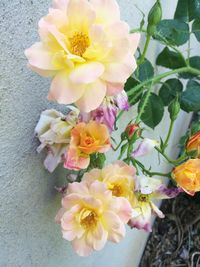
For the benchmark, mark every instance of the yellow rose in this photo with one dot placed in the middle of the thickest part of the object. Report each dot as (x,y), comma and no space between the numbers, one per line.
(187,176)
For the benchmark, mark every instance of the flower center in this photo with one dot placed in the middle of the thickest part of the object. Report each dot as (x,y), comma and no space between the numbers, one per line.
(143,198)
(89,141)
(117,190)
(89,219)
(79,42)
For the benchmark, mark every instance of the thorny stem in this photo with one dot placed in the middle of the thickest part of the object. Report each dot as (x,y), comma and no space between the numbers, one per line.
(168,136)
(159,77)
(143,105)
(151,173)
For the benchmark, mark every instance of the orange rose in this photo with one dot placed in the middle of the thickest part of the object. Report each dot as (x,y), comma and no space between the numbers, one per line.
(86,139)
(194,143)
(187,176)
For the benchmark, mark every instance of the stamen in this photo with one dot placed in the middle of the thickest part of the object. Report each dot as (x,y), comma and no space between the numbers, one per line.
(117,190)
(79,43)
(90,220)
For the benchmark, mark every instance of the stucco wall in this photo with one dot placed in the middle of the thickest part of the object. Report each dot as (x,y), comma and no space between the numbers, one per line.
(28,201)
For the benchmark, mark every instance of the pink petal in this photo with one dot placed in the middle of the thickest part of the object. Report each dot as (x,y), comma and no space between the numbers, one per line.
(92,97)
(142,221)
(124,209)
(115,227)
(80,14)
(81,248)
(44,73)
(69,235)
(59,215)
(79,188)
(157,211)
(72,201)
(104,9)
(74,161)
(98,238)
(60,4)
(40,57)
(119,72)
(86,73)
(54,156)
(63,91)
(56,18)
(134,41)
(114,88)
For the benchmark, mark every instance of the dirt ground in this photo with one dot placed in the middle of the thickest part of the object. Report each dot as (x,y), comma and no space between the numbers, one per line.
(175,240)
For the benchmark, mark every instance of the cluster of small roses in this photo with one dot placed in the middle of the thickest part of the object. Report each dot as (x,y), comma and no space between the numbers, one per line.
(96,210)
(72,138)
(90,55)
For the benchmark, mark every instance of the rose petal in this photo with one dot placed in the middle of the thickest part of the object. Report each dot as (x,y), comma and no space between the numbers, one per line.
(92,97)
(63,91)
(86,73)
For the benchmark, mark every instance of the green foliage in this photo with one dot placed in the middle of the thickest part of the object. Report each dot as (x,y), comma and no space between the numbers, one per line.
(194,63)
(170,59)
(187,10)
(153,111)
(196,29)
(190,98)
(136,94)
(144,71)
(175,32)
(169,90)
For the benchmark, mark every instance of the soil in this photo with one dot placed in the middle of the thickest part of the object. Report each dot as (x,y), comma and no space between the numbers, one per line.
(175,240)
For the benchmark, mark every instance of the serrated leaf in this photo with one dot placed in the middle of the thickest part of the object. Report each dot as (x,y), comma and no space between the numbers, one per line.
(130,83)
(169,90)
(170,59)
(196,29)
(144,71)
(153,112)
(190,98)
(175,32)
(187,10)
(136,94)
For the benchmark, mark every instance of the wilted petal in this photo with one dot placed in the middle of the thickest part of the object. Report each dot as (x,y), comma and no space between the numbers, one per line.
(122,101)
(145,147)
(54,156)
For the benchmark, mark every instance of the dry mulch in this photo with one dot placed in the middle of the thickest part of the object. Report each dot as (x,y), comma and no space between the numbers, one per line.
(175,240)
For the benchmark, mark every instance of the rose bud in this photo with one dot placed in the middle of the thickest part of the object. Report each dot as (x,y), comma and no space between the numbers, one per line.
(131,129)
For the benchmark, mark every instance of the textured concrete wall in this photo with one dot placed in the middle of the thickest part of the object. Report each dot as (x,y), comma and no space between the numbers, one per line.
(28,201)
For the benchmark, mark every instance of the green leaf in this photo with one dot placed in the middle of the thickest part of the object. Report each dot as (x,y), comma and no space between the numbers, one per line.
(182,9)
(136,95)
(153,111)
(196,29)
(194,63)
(187,10)
(144,71)
(170,59)
(169,90)
(130,83)
(190,98)
(194,9)
(195,128)
(174,32)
